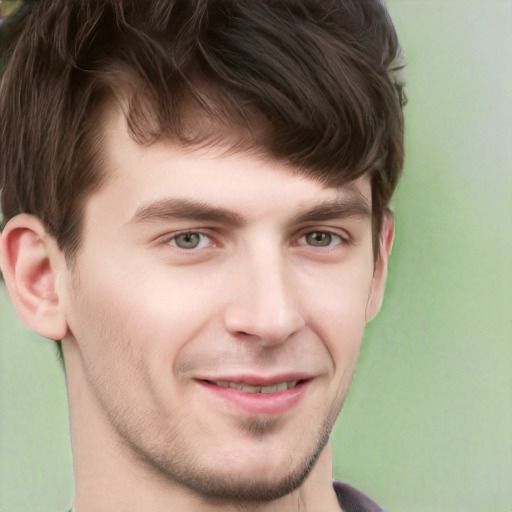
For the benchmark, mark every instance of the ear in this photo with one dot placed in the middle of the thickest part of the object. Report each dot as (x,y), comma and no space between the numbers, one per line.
(380,271)
(30,261)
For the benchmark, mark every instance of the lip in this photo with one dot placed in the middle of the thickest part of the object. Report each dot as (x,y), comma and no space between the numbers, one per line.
(274,403)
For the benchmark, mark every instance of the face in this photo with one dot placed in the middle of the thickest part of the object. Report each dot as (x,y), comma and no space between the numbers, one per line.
(217,306)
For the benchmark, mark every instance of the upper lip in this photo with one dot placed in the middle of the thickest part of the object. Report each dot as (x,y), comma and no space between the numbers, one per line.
(258,380)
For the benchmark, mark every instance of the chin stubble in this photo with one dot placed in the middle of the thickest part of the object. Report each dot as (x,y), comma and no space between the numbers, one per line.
(220,486)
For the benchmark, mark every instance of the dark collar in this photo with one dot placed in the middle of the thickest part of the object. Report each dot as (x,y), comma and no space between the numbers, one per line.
(352,500)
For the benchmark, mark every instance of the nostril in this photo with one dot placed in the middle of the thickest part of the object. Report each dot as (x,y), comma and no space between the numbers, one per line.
(269,327)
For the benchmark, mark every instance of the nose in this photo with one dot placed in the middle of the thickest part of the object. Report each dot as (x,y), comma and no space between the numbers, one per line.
(263,305)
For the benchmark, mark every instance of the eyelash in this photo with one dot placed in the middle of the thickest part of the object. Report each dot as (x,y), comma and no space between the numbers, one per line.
(342,240)
(174,236)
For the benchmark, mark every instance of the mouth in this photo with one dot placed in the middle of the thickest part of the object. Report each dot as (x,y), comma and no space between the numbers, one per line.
(250,388)
(257,395)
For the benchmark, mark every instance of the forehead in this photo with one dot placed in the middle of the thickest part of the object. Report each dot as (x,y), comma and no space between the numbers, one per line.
(138,175)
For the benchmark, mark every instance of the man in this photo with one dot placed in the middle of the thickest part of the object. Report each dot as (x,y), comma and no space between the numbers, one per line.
(195,197)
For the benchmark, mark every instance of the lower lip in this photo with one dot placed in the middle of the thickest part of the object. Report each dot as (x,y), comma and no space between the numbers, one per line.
(259,403)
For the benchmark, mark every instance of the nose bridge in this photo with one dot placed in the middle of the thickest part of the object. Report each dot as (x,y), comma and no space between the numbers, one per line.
(265,304)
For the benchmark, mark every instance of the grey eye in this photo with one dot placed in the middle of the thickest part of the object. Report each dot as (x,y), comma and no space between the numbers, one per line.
(319,239)
(187,240)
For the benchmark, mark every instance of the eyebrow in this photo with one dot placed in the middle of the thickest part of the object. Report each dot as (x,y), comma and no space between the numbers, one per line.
(355,205)
(189,209)
(177,208)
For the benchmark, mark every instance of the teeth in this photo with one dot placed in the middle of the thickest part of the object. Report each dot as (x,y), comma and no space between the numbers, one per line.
(246,388)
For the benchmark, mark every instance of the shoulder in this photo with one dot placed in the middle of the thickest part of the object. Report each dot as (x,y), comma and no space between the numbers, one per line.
(352,500)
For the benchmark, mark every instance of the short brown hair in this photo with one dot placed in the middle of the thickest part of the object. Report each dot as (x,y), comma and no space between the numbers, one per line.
(317,77)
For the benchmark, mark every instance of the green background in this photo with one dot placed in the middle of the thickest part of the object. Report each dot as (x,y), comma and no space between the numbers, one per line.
(427,426)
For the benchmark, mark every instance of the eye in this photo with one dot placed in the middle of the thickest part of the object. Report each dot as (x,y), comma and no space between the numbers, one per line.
(190,240)
(321,239)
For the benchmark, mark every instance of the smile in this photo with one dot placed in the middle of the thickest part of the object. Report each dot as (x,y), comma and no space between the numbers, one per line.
(253,395)
(247,388)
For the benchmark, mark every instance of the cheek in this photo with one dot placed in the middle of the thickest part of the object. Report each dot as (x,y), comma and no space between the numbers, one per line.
(135,331)
(118,344)
(337,313)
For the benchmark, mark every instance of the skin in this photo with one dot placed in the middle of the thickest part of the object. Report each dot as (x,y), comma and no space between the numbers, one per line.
(166,299)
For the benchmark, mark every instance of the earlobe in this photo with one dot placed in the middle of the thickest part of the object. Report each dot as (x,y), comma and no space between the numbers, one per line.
(381,267)
(30,260)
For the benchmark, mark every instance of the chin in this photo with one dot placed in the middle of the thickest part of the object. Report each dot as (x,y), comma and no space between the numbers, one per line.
(254,486)
(260,475)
